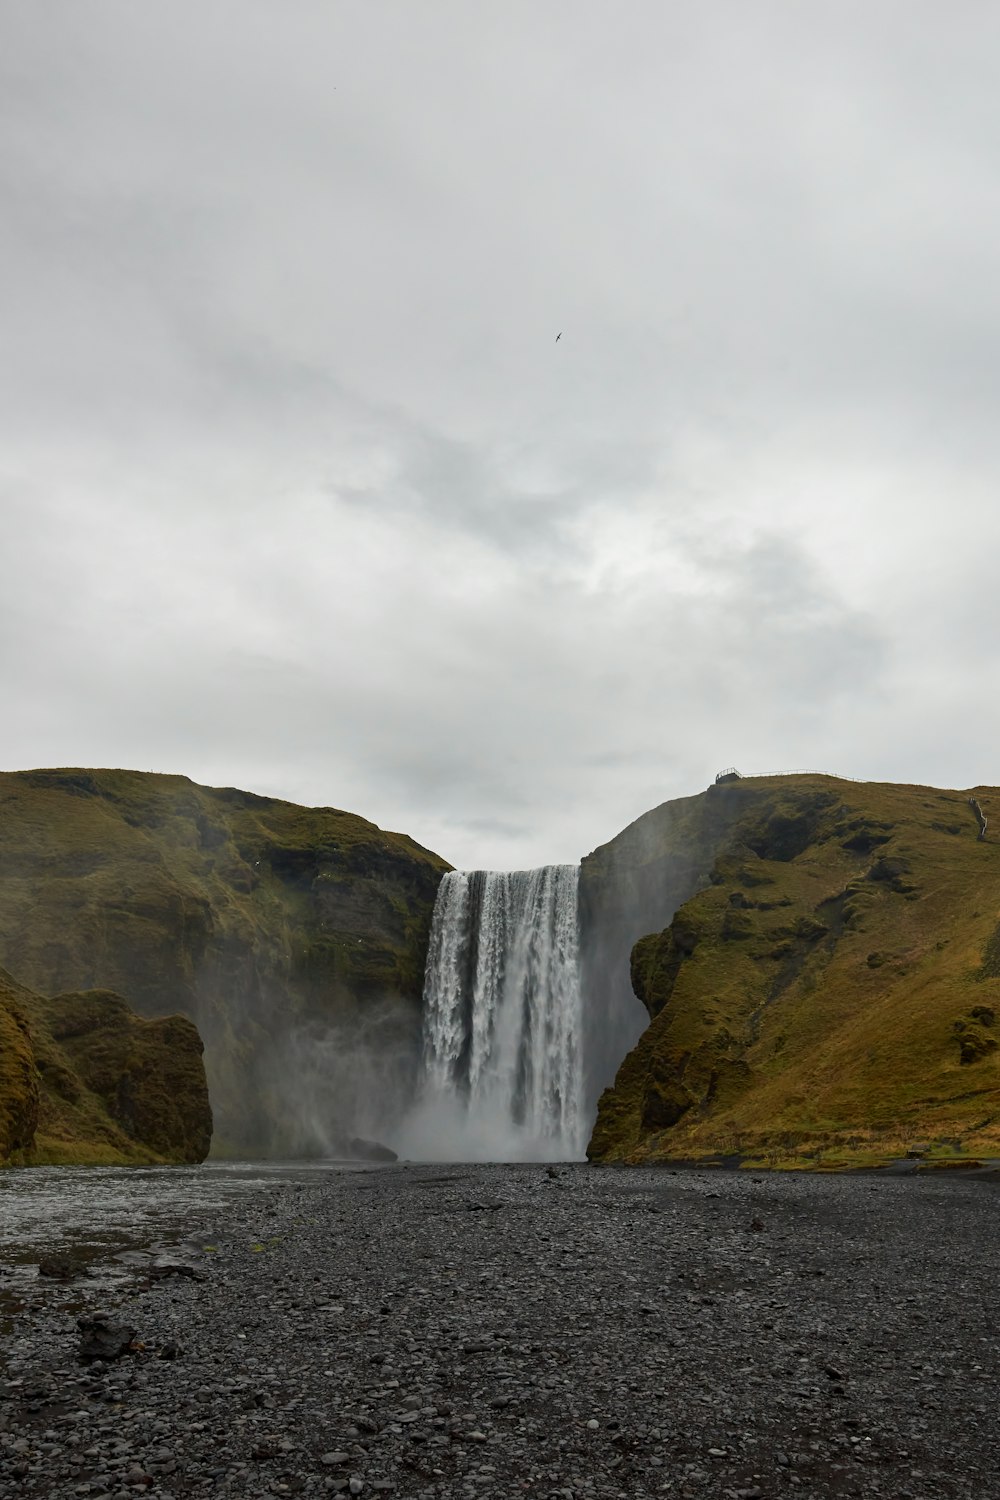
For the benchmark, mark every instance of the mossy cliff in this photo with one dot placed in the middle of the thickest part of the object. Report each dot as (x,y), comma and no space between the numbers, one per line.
(629,887)
(831,993)
(19,1079)
(85,1080)
(293,937)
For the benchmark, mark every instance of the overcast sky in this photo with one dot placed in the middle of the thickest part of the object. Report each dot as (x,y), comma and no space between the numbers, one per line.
(301,494)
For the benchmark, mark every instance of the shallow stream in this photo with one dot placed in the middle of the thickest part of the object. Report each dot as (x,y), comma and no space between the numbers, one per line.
(116,1219)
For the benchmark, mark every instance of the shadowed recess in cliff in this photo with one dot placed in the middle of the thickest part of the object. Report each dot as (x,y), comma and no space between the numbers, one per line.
(502,1069)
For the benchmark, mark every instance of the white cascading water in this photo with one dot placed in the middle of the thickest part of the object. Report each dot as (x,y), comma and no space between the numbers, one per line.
(502,1017)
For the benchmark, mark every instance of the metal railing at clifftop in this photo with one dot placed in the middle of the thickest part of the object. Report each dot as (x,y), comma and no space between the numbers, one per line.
(731,774)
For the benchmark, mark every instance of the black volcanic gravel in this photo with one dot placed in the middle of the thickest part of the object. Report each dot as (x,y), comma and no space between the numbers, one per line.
(516,1330)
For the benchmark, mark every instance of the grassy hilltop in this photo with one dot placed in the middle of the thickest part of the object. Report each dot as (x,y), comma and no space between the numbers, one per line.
(830,995)
(85,1080)
(279,930)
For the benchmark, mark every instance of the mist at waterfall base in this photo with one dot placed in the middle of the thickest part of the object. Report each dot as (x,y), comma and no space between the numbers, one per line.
(519,1031)
(330,1084)
(502,1067)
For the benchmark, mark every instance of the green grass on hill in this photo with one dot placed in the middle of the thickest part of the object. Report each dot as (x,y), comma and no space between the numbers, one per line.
(258,919)
(832,996)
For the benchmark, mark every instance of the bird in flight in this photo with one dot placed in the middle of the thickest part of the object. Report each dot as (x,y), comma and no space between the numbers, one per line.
(558,337)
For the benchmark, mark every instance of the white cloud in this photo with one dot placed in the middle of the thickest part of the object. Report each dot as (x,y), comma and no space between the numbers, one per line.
(304,495)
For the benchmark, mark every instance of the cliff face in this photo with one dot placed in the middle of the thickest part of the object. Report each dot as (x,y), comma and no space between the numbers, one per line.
(84,1080)
(19,1084)
(293,937)
(831,993)
(629,887)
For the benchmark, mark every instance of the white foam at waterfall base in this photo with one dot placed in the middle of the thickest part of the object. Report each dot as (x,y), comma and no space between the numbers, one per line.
(502,1021)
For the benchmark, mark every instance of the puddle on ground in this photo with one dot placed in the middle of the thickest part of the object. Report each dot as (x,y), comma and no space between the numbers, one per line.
(116,1221)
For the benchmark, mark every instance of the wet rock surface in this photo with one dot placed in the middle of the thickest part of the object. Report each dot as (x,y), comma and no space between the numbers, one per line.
(101,1338)
(499,1331)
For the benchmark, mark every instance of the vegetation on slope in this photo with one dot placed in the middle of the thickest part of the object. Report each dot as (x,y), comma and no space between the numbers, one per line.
(832,995)
(84,1080)
(628,887)
(274,927)
(18,1073)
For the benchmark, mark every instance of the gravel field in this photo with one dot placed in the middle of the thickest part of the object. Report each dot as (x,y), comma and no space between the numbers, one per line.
(512,1330)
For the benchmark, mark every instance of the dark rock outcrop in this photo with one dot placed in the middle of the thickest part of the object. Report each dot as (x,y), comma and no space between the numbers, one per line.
(88,1081)
(370,1150)
(103,1338)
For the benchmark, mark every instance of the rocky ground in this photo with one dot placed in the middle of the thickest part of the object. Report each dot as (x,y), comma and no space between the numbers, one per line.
(499,1331)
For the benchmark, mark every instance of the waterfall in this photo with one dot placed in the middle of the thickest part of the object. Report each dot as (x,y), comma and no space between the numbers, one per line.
(502,1032)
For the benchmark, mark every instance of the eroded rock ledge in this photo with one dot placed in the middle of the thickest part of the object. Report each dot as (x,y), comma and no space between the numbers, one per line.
(84,1080)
